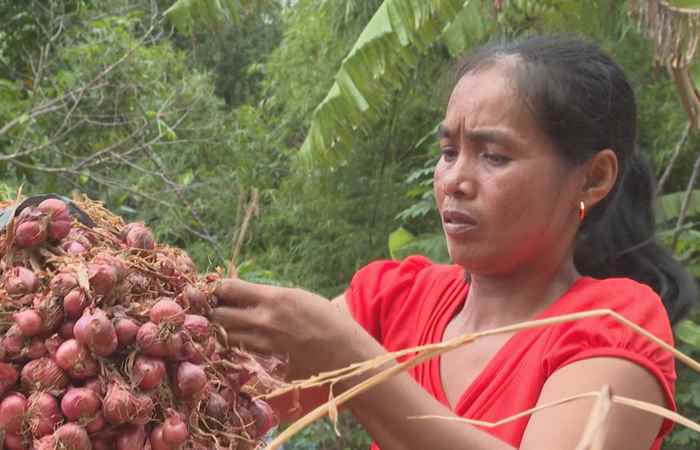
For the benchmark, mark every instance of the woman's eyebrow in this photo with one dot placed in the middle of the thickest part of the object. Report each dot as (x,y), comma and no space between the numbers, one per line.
(489,135)
(479,135)
(443,132)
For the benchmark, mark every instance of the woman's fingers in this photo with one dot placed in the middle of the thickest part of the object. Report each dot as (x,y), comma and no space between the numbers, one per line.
(251,340)
(242,327)
(236,318)
(236,292)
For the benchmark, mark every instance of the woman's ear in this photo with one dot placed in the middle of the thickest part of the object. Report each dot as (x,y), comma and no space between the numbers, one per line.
(600,176)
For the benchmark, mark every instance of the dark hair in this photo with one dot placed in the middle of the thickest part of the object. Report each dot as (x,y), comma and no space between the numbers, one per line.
(581,98)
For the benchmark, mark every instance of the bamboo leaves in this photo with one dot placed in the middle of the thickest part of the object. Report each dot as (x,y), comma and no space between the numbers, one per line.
(185,13)
(376,66)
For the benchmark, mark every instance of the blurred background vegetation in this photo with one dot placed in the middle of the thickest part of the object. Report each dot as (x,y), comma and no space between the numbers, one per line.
(315,118)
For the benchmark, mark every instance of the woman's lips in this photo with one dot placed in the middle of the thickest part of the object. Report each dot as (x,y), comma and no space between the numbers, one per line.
(456,222)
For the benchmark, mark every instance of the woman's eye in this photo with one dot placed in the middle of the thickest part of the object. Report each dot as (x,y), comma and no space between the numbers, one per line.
(495,158)
(449,154)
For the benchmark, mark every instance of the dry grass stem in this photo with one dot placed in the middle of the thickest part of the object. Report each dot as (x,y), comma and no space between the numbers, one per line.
(237,242)
(426,352)
(597,426)
(637,404)
(520,415)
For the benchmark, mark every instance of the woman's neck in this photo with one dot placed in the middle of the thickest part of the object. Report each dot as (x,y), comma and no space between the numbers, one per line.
(495,301)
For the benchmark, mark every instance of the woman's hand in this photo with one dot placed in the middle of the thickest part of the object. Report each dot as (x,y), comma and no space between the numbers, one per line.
(309,329)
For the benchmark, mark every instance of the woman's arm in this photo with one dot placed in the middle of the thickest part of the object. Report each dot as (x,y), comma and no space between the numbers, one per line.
(628,428)
(320,336)
(384,411)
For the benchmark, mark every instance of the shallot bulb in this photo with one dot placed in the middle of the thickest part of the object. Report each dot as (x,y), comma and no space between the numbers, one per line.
(13,342)
(52,344)
(60,219)
(148,339)
(44,414)
(265,418)
(29,322)
(96,332)
(96,385)
(74,248)
(36,349)
(133,437)
(80,403)
(139,236)
(126,329)
(167,311)
(72,436)
(190,379)
(197,327)
(14,442)
(45,443)
(96,423)
(43,374)
(49,307)
(63,283)
(20,281)
(103,278)
(104,258)
(75,359)
(195,299)
(156,439)
(148,372)
(143,410)
(74,303)
(119,405)
(175,431)
(12,411)
(8,377)
(31,229)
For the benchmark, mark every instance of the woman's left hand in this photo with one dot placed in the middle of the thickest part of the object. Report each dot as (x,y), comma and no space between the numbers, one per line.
(309,329)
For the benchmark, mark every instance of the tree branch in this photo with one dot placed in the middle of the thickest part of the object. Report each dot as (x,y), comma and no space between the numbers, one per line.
(672,161)
(686,201)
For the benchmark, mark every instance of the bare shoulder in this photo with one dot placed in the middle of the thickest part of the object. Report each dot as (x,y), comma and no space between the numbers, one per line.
(561,426)
(341,304)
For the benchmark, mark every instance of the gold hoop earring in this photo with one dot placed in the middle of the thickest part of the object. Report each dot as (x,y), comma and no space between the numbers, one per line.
(581,211)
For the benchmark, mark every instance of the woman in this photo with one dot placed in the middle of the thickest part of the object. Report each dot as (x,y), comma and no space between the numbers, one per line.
(546,208)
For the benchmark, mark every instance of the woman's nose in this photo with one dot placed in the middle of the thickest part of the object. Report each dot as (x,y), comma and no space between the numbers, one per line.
(459,180)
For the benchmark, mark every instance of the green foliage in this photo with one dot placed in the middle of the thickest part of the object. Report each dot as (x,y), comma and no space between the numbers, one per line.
(235,55)
(321,436)
(669,205)
(374,68)
(146,134)
(688,400)
(212,14)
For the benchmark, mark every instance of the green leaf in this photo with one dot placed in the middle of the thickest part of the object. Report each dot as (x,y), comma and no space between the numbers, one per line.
(378,64)
(187,178)
(689,332)
(685,3)
(668,206)
(397,239)
(185,14)
(433,246)
(469,27)
(180,14)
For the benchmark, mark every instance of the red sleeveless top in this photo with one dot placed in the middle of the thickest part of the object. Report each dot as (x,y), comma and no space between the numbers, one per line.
(409,303)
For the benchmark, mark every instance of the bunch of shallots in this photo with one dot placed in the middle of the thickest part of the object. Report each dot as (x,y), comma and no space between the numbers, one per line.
(105,342)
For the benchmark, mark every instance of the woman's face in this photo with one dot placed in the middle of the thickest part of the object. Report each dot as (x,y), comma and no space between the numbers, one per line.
(505,196)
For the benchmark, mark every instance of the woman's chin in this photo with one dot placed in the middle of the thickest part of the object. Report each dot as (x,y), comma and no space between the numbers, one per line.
(461,258)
